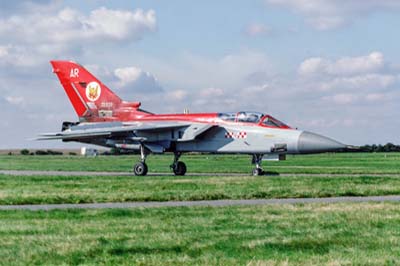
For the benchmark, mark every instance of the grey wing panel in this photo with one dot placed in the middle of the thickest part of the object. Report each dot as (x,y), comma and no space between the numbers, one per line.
(50,136)
(194,130)
(91,131)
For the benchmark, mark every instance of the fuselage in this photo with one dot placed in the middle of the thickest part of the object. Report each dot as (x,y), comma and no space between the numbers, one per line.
(237,132)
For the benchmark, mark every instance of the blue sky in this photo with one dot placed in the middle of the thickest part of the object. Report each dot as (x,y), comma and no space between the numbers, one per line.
(328,66)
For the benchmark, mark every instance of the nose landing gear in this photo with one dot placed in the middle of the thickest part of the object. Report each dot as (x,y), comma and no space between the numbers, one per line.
(257,160)
(178,167)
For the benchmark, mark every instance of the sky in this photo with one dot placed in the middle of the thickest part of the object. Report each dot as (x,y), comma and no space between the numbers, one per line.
(326,66)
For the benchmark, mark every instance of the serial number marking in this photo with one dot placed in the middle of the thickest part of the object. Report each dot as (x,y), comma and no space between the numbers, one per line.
(106,105)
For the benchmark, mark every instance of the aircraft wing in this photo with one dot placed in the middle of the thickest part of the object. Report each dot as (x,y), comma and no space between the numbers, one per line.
(195,130)
(109,130)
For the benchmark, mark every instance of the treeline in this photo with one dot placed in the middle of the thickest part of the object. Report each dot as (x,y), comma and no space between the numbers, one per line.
(388,147)
(42,152)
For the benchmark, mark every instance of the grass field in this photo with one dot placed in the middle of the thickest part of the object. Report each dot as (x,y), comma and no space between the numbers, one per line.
(85,189)
(305,234)
(340,163)
(339,234)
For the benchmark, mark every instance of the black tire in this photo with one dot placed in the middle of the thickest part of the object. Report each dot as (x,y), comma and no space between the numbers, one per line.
(140,169)
(257,172)
(179,168)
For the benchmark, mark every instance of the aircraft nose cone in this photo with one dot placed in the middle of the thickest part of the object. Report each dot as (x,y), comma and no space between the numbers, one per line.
(313,143)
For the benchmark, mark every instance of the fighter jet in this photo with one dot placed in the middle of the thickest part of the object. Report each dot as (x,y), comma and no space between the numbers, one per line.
(107,120)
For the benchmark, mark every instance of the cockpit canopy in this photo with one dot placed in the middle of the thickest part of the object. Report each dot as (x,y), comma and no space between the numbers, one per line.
(252,117)
(248,117)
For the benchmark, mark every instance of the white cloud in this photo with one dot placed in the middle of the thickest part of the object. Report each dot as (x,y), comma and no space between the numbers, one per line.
(348,80)
(331,14)
(311,66)
(343,66)
(117,24)
(101,72)
(354,65)
(191,71)
(71,25)
(41,32)
(211,92)
(15,100)
(136,79)
(342,98)
(257,29)
(20,56)
(375,97)
(255,90)
(360,82)
(177,95)
(4,51)
(213,84)
(128,74)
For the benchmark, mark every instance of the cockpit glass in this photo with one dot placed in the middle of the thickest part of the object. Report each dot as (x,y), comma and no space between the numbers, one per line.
(246,117)
(252,117)
(273,122)
(269,122)
(227,116)
(249,117)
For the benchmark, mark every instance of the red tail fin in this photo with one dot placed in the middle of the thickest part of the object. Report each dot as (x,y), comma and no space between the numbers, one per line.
(89,96)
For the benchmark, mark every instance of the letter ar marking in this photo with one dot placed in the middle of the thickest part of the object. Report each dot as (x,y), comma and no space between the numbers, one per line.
(74,73)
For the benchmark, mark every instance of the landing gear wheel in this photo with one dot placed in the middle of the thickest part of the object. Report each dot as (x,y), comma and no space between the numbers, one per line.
(140,169)
(257,160)
(257,171)
(179,168)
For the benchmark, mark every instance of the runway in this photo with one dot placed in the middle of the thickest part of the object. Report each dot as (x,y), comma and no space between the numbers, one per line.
(204,203)
(92,173)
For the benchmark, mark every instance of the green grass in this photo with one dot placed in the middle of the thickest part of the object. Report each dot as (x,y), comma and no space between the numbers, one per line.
(85,189)
(341,163)
(312,234)
(305,234)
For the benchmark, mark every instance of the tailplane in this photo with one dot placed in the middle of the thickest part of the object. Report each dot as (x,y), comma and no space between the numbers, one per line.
(90,98)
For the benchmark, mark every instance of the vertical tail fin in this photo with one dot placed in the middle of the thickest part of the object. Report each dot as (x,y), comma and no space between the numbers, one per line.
(88,95)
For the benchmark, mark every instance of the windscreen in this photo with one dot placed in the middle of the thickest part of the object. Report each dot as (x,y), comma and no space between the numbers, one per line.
(273,122)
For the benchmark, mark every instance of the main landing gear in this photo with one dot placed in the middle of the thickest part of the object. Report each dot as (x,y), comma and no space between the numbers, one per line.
(257,160)
(141,168)
(178,167)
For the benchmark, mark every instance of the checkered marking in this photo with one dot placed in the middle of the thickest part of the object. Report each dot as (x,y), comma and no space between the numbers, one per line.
(236,135)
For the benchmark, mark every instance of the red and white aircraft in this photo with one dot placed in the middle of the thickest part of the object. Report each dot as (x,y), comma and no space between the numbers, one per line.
(107,120)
